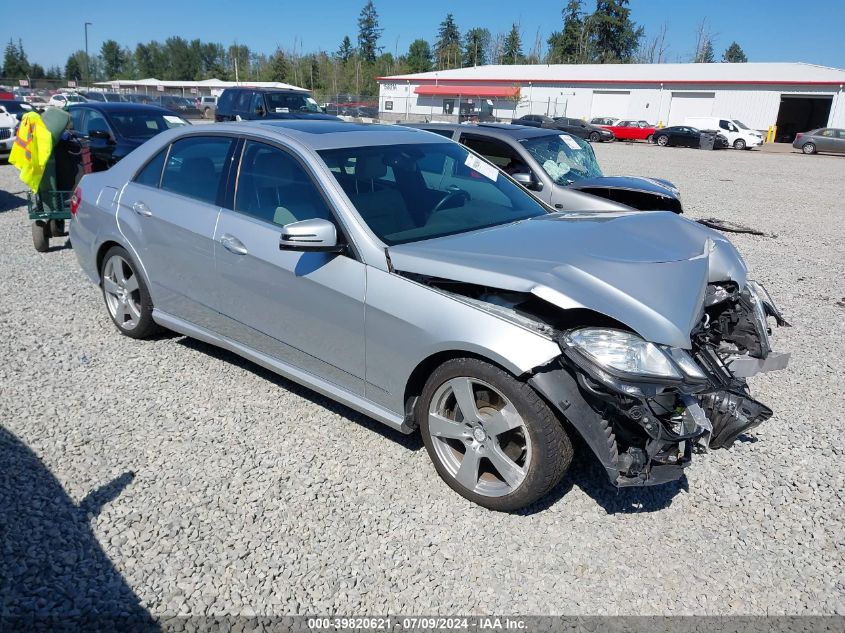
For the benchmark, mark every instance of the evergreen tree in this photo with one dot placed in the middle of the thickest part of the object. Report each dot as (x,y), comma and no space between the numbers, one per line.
(74,66)
(734,54)
(36,71)
(476,47)
(705,53)
(419,56)
(15,63)
(368,33)
(512,52)
(565,47)
(115,60)
(278,67)
(448,46)
(615,38)
(345,51)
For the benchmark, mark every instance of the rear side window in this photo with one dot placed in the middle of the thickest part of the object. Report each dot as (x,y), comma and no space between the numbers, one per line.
(244,101)
(150,175)
(226,100)
(195,167)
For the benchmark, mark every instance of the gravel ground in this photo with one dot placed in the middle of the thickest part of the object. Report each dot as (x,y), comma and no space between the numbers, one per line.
(169,477)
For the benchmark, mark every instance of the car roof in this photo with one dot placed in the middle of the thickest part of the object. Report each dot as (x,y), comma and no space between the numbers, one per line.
(286,90)
(496,130)
(118,106)
(325,134)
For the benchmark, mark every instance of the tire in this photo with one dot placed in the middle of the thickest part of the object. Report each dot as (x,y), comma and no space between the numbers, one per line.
(663,140)
(808,148)
(205,113)
(595,137)
(41,236)
(528,443)
(649,138)
(57,228)
(739,144)
(126,295)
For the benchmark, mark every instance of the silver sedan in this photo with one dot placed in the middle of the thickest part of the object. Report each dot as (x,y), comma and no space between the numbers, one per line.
(403,275)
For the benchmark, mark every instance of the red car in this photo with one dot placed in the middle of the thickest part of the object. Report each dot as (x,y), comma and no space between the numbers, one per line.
(629,130)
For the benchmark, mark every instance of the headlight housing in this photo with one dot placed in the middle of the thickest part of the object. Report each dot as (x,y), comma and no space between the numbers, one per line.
(625,353)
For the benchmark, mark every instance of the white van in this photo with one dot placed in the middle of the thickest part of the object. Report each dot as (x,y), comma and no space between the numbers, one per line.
(739,135)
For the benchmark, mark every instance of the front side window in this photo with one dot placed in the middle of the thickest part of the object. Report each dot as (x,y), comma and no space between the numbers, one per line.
(195,167)
(401,201)
(274,187)
(564,158)
(497,153)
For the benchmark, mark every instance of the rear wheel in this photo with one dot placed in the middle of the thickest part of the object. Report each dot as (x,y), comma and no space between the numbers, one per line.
(649,138)
(126,295)
(809,148)
(739,144)
(41,236)
(492,439)
(663,140)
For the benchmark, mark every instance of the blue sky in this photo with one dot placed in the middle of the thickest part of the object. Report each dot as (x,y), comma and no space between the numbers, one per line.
(768,30)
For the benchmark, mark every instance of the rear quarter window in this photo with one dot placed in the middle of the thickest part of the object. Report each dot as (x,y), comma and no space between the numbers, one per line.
(150,174)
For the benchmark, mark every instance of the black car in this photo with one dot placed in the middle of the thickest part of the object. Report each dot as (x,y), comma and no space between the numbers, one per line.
(112,130)
(16,108)
(182,106)
(576,127)
(686,136)
(246,104)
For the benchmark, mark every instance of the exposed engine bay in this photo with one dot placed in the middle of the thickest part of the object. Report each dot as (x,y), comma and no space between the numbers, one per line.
(645,427)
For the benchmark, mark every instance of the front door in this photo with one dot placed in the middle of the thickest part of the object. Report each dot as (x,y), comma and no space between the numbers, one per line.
(169,212)
(305,309)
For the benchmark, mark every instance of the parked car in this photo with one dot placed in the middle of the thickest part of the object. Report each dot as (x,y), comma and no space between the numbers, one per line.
(111,97)
(739,135)
(686,136)
(245,104)
(137,97)
(575,127)
(604,120)
(826,139)
(112,130)
(631,130)
(493,327)
(16,107)
(8,126)
(559,169)
(180,105)
(207,106)
(63,99)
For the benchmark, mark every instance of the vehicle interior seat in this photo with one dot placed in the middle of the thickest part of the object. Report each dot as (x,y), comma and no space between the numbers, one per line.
(382,208)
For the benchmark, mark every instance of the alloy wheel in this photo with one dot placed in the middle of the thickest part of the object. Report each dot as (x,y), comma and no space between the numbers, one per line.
(662,141)
(479,437)
(123,296)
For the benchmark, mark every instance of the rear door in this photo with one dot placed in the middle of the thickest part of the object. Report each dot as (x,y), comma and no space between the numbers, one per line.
(840,145)
(169,212)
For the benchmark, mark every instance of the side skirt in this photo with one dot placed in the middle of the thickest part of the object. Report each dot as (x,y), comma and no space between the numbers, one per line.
(328,389)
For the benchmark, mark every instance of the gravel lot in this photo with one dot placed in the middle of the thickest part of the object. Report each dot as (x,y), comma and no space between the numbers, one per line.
(169,477)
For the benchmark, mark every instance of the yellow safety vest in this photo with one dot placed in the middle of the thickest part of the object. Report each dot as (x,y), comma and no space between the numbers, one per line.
(32,148)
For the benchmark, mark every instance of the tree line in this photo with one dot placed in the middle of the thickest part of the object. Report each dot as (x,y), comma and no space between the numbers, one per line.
(605,35)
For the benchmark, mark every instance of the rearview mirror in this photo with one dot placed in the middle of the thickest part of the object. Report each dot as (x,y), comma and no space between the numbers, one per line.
(310,235)
(528,181)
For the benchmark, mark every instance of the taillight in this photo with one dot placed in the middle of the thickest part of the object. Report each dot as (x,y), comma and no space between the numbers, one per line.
(75,201)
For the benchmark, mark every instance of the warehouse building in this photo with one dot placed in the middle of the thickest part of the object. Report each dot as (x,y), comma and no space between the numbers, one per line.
(794,96)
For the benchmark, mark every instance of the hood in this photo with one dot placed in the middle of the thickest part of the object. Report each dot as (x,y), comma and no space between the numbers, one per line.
(648,270)
(301,115)
(629,183)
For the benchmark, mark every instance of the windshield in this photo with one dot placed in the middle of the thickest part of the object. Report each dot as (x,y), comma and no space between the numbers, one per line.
(144,124)
(15,107)
(283,102)
(564,158)
(407,193)
(740,125)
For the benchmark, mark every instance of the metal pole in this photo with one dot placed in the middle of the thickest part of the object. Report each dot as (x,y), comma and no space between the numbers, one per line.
(87,63)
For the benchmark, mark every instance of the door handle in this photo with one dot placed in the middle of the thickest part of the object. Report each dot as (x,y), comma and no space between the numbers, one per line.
(233,244)
(141,209)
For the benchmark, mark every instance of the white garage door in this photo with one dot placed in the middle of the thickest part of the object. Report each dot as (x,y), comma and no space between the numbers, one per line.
(610,103)
(687,104)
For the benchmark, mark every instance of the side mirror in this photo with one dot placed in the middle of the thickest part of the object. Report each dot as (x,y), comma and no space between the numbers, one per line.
(101,134)
(528,181)
(310,235)
(259,111)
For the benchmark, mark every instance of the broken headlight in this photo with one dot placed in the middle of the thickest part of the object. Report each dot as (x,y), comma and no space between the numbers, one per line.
(622,352)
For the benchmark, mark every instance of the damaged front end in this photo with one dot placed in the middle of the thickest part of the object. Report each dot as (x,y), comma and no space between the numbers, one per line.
(645,408)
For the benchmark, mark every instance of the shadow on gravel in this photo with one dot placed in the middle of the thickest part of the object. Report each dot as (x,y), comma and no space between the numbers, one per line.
(12,200)
(53,573)
(587,474)
(411,442)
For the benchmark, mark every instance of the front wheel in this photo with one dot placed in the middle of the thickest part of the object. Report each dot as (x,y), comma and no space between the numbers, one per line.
(663,140)
(739,144)
(809,148)
(41,236)
(595,137)
(126,295)
(492,439)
